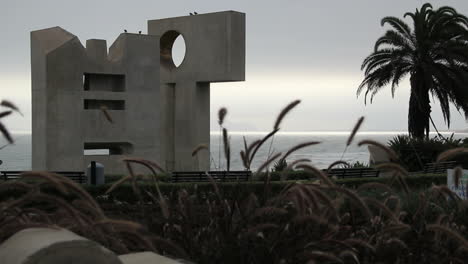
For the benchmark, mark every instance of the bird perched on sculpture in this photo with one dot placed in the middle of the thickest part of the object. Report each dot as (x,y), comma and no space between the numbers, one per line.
(191,14)
(139,32)
(125,31)
(195,13)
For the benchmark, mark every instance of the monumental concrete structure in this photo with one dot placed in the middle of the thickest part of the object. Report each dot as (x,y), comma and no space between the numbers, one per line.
(215,53)
(158,111)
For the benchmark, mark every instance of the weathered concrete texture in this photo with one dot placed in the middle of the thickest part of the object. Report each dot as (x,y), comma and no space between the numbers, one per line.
(160,112)
(146,258)
(53,246)
(70,84)
(215,52)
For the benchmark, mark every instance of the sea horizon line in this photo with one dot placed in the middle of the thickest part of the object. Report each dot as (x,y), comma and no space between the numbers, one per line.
(316,132)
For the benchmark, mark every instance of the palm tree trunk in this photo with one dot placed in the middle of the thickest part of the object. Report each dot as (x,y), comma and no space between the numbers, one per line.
(419,108)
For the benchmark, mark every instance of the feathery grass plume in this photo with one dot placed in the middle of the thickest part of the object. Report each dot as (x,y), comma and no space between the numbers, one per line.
(294,163)
(395,200)
(221,115)
(446,192)
(118,183)
(151,165)
(15,185)
(245,143)
(59,203)
(5,113)
(283,113)
(227,148)
(446,155)
(120,224)
(354,131)
(259,144)
(377,204)
(249,150)
(336,163)
(245,162)
(106,113)
(308,194)
(449,233)
(349,255)
(199,148)
(322,257)
(80,192)
(360,243)
(269,212)
(290,166)
(326,200)
(375,185)
(268,162)
(10,105)
(298,147)
(391,166)
(49,177)
(401,180)
(5,133)
(172,248)
(355,199)
(256,229)
(457,175)
(393,156)
(215,186)
(396,229)
(322,176)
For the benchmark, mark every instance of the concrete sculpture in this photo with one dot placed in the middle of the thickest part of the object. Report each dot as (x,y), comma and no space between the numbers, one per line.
(159,112)
(215,53)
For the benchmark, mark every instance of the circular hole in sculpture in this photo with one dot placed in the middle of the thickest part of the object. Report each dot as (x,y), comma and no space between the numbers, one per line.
(178,50)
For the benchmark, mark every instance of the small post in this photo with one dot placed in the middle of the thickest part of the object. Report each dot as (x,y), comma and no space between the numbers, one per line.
(93,172)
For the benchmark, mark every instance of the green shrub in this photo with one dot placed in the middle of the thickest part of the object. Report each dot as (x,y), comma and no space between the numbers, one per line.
(234,190)
(415,153)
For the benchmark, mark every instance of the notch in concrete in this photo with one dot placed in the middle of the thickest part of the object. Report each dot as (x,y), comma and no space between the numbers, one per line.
(97,49)
(93,172)
(90,104)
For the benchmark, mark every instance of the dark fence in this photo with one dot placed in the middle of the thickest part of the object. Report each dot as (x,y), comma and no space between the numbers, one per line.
(76,176)
(202,176)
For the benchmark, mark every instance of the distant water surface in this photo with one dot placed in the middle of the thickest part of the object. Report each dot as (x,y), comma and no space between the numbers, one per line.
(18,156)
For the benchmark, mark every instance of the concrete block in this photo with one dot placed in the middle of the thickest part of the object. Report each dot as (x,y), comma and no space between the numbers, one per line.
(70,84)
(146,258)
(53,246)
(215,52)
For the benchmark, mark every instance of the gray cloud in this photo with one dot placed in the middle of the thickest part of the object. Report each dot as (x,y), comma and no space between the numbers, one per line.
(286,41)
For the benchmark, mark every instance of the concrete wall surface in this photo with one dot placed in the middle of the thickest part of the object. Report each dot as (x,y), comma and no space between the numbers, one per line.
(215,52)
(70,85)
(158,111)
(53,246)
(146,257)
(60,246)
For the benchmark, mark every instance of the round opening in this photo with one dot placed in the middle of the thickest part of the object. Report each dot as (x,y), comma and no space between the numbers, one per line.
(178,50)
(172,49)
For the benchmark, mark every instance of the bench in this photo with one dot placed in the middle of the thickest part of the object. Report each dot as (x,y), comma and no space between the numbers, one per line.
(76,176)
(353,172)
(440,167)
(220,176)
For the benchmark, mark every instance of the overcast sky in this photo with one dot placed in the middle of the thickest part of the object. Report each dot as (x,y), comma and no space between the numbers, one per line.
(310,50)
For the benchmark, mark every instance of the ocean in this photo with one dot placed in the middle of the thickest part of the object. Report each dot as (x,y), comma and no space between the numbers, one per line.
(18,155)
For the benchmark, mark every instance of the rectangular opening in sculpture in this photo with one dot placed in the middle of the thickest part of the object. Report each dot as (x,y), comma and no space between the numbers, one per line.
(107,148)
(108,104)
(104,82)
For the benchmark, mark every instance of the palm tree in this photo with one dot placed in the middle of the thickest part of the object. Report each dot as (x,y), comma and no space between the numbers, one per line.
(434,54)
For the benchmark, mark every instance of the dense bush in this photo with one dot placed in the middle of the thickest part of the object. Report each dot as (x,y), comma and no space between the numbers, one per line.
(415,153)
(232,190)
